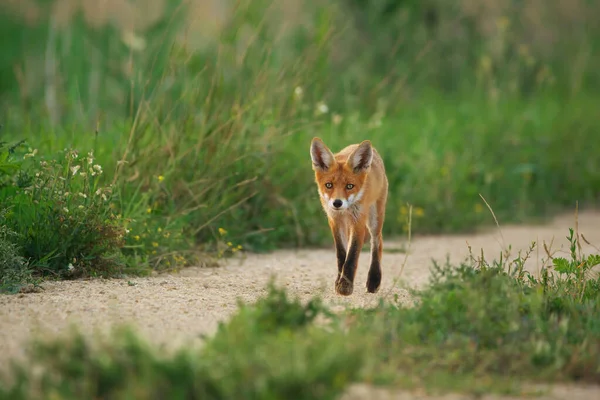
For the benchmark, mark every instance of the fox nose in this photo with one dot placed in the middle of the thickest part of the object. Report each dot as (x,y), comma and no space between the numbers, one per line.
(337,203)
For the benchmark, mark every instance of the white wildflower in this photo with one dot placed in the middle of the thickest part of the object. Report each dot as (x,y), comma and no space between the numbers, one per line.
(31,154)
(74,169)
(133,41)
(70,267)
(375,123)
(65,209)
(322,108)
(298,91)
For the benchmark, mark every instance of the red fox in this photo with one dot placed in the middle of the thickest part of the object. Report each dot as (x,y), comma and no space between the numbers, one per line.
(353,189)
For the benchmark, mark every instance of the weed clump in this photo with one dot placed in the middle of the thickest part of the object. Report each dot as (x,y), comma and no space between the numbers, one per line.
(488,320)
(62,216)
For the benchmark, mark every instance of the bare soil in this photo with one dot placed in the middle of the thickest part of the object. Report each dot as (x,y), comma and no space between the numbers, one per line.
(174,309)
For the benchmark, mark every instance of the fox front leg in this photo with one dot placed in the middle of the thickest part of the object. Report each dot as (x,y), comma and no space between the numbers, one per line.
(340,241)
(345,283)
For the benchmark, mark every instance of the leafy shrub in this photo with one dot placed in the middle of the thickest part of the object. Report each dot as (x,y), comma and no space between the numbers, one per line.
(63,216)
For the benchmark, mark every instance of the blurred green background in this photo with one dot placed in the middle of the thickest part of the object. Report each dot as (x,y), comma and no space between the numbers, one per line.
(201,112)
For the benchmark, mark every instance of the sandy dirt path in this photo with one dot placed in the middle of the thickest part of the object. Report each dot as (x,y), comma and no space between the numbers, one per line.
(177,308)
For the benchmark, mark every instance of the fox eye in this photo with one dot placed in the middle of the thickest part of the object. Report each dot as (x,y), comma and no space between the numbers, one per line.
(329,185)
(349,186)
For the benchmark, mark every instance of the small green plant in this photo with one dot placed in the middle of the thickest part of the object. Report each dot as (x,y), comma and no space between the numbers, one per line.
(578,266)
(152,244)
(276,311)
(14,269)
(225,246)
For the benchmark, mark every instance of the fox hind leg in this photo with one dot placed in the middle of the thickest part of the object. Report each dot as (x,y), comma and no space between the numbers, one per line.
(375,225)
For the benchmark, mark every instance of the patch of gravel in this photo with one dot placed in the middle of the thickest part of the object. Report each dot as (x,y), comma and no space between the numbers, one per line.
(557,392)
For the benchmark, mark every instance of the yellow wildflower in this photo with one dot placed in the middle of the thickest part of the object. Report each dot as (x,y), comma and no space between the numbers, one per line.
(486,63)
(502,23)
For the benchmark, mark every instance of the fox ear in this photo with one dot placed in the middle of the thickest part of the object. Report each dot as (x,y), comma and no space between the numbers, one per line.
(322,157)
(361,158)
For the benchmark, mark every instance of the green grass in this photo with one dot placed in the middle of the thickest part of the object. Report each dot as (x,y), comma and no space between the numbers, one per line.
(176,190)
(204,146)
(475,328)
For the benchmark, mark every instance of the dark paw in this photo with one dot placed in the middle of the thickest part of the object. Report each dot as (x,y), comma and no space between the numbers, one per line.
(373,281)
(343,286)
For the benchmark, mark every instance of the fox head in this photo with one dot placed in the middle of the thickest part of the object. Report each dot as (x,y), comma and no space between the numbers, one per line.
(341,180)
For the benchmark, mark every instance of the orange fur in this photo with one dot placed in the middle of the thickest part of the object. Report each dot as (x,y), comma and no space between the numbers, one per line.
(353,189)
